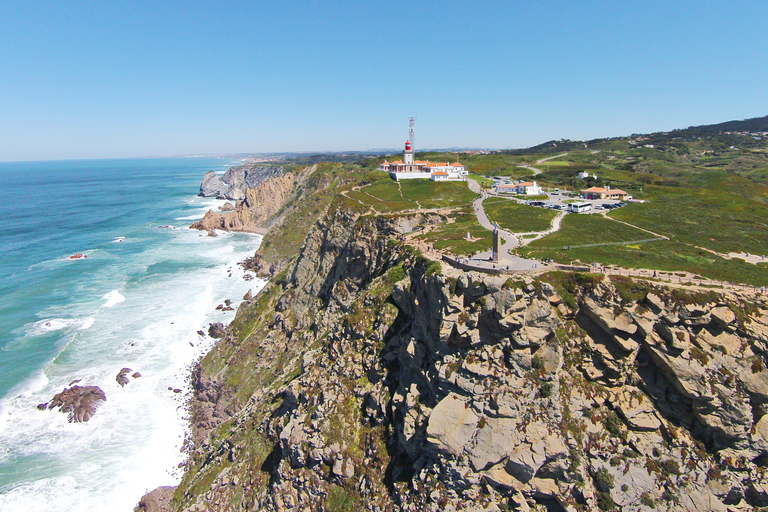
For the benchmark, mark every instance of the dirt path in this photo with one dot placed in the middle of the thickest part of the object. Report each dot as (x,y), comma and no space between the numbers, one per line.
(604,214)
(680,279)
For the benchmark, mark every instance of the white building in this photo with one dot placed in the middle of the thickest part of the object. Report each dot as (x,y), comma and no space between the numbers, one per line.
(527,188)
(409,169)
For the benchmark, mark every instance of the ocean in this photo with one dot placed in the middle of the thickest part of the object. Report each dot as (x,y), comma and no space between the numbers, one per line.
(147,285)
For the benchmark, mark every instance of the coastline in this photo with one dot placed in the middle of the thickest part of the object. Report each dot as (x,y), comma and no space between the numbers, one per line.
(128,305)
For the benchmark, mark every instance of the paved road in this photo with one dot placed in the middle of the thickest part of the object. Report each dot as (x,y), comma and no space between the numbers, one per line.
(538,171)
(510,241)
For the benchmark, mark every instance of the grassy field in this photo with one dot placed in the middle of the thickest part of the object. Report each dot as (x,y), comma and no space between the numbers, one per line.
(711,217)
(589,229)
(452,236)
(517,218)
(386,196)
(578,230)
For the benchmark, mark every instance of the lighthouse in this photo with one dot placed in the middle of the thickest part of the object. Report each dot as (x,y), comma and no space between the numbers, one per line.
(408,153)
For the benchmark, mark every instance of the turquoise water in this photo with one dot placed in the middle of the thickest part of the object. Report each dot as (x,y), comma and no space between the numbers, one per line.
(147,285)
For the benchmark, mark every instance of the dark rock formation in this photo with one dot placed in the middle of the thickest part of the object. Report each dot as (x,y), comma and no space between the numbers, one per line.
(122,376)
(217,330)
(80,402)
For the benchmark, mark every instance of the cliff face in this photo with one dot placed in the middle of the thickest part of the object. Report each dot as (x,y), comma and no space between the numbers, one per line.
(364,378)
(256,207)
(234,183)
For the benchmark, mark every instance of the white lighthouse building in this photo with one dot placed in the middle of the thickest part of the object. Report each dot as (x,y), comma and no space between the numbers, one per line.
(409,169)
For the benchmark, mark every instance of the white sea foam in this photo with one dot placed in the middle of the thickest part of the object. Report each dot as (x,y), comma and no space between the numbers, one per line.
(113,298)
(49,325)
(191,217)
(133,442)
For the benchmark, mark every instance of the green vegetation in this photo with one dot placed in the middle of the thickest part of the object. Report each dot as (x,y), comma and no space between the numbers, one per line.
(669,255)
(577,230)
(516,217)
(567,284)
(341,499)
(387,196)
(451,236)
(605,501)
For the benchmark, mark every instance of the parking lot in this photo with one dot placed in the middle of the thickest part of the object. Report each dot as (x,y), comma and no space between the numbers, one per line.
(557,201)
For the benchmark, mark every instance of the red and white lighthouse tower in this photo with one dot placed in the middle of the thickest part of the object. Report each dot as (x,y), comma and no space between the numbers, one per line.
(408,153)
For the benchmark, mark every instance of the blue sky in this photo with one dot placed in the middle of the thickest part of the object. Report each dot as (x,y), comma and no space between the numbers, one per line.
(124,79)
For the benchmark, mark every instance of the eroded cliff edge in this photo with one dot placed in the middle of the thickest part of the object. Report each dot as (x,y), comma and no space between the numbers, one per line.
(365,377)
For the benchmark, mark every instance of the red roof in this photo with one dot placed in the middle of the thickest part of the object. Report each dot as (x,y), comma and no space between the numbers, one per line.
(439,173)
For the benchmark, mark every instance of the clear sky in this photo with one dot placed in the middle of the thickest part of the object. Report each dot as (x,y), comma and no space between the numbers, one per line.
(135,78)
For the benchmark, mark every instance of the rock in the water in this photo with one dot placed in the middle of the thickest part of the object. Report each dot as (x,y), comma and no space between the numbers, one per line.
(136,375)
(81,402)
(78,256)
(122,376)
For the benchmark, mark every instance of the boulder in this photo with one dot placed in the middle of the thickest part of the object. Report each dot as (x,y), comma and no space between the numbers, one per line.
(158,500)
(451,424)
(723,316)
(217,330)
(494,440)
(637,409)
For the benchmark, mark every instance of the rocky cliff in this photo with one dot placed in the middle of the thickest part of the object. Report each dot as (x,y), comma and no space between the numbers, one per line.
(366,377)
(256,206)
(234,183)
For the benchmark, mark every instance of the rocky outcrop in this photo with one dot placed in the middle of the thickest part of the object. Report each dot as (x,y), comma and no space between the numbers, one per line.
(158,500)
(212,186)
(79,402)
(234,183)
(257,205)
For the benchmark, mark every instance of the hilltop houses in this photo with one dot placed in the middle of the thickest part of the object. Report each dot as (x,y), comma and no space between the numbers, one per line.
(409,169)
(605,193)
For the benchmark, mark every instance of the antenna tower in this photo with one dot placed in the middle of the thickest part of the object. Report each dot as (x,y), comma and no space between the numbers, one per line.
(412,121)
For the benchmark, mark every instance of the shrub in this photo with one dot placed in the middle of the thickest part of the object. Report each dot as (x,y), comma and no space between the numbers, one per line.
(646,500)
(605,502)
(396,274)
(604,479)
(435,268)
(612,424)
(546,390)
(700,356)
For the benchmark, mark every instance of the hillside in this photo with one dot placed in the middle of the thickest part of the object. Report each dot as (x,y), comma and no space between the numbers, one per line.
(368,375)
